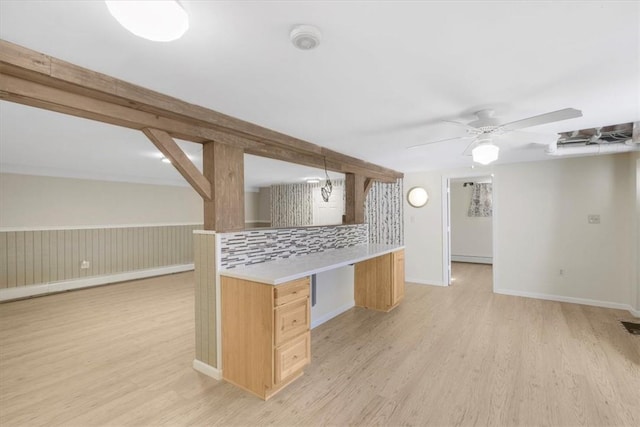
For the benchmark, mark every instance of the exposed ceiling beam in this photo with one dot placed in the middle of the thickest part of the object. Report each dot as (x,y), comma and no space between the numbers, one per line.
(100,97)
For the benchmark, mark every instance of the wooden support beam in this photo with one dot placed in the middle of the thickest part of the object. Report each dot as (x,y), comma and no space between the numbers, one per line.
(354,209)
(152,109)
(367,186)
(224,168)
(37,95)
(167,146)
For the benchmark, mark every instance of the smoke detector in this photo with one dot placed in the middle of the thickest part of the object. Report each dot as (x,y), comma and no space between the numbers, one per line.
(305,37)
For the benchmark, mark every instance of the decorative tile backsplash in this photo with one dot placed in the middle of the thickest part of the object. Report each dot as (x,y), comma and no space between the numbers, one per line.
(256,246)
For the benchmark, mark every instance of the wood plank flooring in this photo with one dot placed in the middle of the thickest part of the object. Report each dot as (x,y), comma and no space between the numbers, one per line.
(121,355)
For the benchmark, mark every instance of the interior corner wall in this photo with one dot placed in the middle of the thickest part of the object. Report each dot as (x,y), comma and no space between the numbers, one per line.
(471,237)
(59,234)
(540,228)
(423,229)
(38,201)
(635,173)
(264,205)
(251,206)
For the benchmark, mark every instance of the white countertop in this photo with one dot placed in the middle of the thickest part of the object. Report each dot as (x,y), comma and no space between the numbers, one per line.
(285,270)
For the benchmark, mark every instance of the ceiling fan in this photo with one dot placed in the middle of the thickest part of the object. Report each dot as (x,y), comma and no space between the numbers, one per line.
(486,127)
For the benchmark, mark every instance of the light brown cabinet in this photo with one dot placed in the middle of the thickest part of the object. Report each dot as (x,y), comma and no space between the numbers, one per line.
(379,282)
(266,341)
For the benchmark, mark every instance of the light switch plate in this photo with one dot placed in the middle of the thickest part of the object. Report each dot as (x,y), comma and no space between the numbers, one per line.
(593,219)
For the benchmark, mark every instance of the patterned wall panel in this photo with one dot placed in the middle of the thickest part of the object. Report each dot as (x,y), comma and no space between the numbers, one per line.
(47,256)
(255,246)
(292,204)
(384,213)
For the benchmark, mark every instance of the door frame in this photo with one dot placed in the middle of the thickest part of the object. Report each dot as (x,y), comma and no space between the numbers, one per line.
(446,221)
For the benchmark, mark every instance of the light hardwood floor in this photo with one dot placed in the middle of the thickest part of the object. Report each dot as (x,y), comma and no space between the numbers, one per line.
(121,355)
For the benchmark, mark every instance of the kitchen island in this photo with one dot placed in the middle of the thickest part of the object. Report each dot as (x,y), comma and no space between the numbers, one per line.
(266,310)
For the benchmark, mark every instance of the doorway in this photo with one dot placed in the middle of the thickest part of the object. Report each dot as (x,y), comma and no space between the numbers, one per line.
(468,219)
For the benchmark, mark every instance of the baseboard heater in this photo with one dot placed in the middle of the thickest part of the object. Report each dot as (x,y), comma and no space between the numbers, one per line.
(472,259)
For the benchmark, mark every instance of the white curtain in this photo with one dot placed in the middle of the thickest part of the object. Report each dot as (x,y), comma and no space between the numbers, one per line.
(481,201)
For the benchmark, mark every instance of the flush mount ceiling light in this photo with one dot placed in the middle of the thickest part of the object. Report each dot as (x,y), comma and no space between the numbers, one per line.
(485,153)
(160,21)
(305,37)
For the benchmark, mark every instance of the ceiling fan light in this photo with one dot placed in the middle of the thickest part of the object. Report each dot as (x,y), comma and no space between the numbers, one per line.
(160,21)
(485,153)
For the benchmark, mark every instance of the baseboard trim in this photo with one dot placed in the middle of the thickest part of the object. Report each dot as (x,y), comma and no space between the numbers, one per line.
(424,282)
(572,300)
(8,294)
(332,314)
(634,313)
(472,259)
(207,370)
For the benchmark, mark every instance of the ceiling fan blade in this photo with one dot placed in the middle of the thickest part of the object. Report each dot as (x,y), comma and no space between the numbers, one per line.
(466,151)
(440,140)
(555,116)
(464,125)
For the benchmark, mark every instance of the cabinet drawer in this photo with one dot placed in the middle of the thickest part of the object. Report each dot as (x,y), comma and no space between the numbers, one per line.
(291,291)
(292,357)
(291,320)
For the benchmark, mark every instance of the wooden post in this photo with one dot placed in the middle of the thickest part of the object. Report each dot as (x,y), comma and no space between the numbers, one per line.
(354,209)
(224,168)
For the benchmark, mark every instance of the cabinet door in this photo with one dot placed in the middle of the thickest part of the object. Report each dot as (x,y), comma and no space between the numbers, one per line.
(397,287)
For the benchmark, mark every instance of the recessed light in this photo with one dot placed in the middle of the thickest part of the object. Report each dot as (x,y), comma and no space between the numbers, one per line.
(165,160)
(160,21)
(312,180)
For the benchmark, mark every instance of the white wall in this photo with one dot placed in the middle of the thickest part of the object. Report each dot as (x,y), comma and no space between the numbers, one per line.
(39,201)
(334,294)
(540,221)
(471,237)
(251,206)
(328,213)
(264,205)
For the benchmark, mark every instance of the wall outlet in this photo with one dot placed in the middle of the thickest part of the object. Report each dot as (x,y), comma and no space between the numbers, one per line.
(593,219)
(85,264)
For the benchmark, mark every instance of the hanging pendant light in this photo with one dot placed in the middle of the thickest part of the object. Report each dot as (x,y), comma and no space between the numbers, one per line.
(328,187)
(160,21)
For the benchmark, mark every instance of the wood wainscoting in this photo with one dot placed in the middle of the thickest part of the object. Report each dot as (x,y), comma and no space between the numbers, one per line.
(35,257)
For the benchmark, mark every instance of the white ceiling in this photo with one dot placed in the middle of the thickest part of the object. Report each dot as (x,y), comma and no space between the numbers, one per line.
(382,78)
